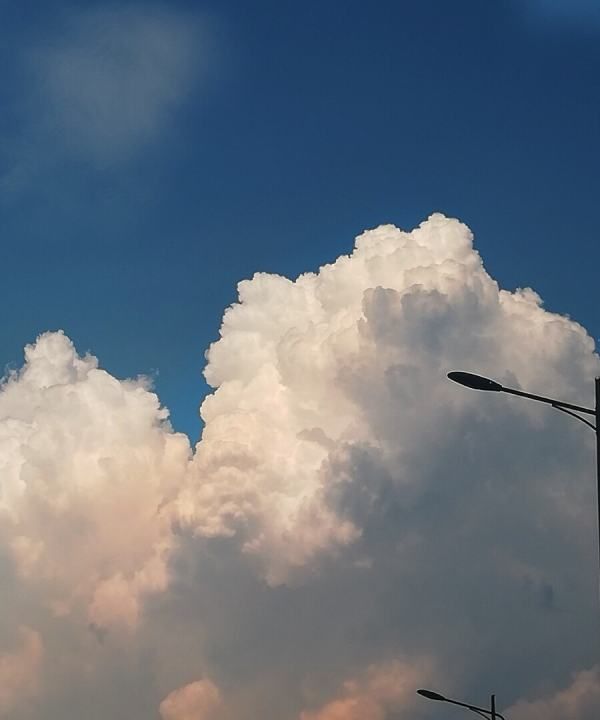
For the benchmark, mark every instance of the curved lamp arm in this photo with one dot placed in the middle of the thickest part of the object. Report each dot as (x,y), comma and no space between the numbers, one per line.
(575,415)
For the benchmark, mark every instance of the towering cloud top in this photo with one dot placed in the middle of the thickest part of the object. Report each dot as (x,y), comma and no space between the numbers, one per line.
(356,356)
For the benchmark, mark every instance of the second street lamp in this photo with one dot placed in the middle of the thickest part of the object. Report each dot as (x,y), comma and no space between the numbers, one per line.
(477,382)
(490,714)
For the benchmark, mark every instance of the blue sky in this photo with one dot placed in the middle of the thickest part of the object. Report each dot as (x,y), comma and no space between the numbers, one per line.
(264,136)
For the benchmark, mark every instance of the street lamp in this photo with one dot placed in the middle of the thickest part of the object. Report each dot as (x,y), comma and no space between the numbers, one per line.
(477,382)
(491,713)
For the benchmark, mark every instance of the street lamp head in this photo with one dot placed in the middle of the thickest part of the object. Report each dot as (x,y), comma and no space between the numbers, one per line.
(474,381)
(431,695)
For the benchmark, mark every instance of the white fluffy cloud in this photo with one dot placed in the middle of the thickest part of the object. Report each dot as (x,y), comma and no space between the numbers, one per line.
(86,462)
(347,513)
(354,357)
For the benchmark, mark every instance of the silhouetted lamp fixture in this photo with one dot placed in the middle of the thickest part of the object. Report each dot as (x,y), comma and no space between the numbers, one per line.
(430,695)
(477,382)
(491,713)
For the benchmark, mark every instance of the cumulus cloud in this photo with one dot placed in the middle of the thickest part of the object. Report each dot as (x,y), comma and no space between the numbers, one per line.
(19,671)
(350,525)
(381,690)
(197,701)
(579,701)
(351,362)
(86,463)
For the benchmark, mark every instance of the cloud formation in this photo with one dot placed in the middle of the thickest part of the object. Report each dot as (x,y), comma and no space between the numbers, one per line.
(580,699)
(351,362)
(380,691)
(350,526)
(87,461)
(19,671)
(197,701)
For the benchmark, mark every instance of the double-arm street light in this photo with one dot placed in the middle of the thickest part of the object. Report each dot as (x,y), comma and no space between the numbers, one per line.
(488,714)
(482,383)
(477,382)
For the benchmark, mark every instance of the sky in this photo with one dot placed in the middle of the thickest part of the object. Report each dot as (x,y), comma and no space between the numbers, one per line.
(153,156)
(298,217)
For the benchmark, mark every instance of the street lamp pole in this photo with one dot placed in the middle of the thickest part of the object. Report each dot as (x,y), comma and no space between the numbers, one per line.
(477,382)
(598,456)
(484,712)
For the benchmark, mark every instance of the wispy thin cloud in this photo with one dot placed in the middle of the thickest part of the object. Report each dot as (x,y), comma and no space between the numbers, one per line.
(111,78)
(102,85)
(568,13)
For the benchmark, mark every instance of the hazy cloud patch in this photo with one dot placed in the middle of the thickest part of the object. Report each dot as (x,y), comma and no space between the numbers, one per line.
(111,79)
(571,13)
(101,85)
